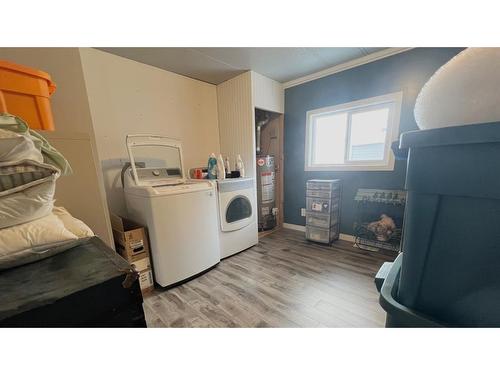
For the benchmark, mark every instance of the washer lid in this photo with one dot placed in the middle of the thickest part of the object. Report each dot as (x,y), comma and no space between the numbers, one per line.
(163,190)
(155,160)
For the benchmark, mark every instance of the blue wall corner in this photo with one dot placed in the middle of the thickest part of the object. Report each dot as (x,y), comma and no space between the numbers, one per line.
(407,72)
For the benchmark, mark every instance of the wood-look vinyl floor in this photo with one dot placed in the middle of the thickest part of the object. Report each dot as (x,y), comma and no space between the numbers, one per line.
(284,281)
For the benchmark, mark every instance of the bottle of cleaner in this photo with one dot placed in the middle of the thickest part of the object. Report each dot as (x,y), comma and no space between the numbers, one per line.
(221,171)
(240,166)
(227,165)
(212,167)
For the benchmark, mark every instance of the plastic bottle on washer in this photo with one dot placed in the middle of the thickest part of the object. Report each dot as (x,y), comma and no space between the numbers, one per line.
(221,172)
(227,165)
(240,167)
(212,167)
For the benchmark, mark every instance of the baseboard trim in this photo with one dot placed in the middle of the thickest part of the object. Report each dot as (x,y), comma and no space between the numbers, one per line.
(347,237)
(301,228)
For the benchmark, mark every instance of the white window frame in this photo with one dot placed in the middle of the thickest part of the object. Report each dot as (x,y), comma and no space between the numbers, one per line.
(394,99)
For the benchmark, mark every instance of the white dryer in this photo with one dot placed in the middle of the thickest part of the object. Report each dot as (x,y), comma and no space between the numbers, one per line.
(181,217)
(237,215)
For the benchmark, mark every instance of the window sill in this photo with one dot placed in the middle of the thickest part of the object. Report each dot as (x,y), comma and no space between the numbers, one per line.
(350,168)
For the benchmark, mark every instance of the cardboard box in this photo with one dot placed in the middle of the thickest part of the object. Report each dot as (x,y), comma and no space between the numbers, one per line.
(132,244)
(130,238)
(143,266)
(146,281)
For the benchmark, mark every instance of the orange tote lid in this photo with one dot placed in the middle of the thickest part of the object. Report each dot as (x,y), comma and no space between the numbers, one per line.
(4,64)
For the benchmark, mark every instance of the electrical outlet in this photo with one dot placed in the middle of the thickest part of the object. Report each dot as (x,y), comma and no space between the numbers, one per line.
(302,212)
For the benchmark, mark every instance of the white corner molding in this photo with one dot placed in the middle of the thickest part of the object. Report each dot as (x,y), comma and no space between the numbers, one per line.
(301,228)
(347,65)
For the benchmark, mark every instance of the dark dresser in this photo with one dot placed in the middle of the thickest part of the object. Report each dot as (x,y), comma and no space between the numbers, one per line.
(87,286)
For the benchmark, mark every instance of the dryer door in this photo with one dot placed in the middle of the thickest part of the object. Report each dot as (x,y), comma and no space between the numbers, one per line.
(236,203)
(239,208)
(236,210)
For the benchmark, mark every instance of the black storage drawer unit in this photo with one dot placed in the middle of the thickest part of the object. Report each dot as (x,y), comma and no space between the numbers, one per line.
(81,287)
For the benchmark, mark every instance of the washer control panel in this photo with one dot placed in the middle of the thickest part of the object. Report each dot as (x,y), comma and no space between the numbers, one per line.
(154,174)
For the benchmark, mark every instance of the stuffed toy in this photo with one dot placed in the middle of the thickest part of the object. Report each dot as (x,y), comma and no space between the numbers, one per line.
(383,228)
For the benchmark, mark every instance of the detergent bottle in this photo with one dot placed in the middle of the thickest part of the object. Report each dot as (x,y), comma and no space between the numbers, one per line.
(227,165)
(240,166)
(212,167)
(221,172)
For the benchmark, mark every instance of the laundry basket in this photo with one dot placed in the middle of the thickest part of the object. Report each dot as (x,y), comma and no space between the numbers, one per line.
(25,92)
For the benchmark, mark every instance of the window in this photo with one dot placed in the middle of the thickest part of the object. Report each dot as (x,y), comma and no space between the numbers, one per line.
(353,136)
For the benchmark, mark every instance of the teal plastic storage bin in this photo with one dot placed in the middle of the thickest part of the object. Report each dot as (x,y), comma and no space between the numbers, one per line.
(398,315)
(451,242)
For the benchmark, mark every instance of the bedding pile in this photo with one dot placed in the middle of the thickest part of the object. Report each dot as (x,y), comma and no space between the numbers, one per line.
(31,228)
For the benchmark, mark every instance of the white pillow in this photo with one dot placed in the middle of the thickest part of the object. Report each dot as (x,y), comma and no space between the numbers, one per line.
(28,204)
(463,91)
(27,183)
(46,230)
(15,146)
(41,238)
(75,226)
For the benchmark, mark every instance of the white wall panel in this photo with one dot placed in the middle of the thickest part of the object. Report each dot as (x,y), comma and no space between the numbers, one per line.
(237,120)
(268,94)
(81,193)
(128,97)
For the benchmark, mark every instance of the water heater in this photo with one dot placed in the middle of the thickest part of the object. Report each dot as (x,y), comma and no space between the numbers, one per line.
(266,192)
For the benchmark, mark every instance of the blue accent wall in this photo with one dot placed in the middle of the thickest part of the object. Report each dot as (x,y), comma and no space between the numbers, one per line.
(407,72)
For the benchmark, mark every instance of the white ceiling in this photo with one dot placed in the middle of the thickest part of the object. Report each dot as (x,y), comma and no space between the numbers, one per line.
(216,65)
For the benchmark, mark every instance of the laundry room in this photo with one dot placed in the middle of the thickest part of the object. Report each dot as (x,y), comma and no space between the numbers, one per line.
(221,197)
(171,196)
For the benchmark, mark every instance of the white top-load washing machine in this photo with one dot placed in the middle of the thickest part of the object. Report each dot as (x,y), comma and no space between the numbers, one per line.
(237,215)
(181,216)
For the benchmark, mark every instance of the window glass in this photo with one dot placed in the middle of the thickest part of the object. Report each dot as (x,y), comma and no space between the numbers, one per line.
(329,137)
(368,134)
(353,136)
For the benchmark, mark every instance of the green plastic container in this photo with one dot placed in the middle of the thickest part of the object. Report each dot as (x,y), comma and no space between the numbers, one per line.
(398,315)
(451,242)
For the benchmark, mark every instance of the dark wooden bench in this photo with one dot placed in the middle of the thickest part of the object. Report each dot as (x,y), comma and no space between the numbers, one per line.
(81,287)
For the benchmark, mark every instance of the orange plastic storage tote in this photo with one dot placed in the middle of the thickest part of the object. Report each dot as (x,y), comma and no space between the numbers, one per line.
(25,92)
